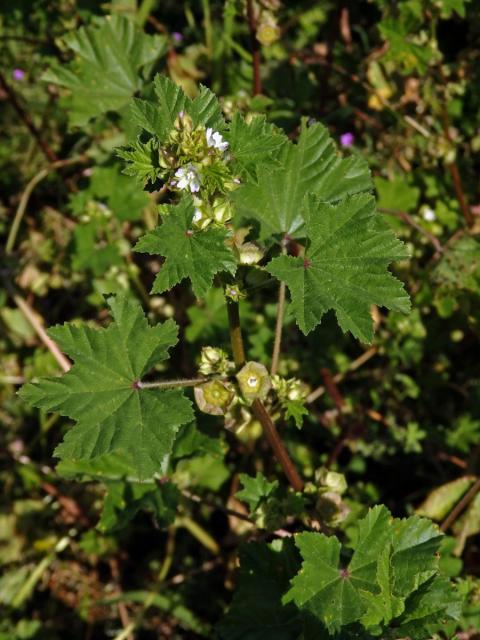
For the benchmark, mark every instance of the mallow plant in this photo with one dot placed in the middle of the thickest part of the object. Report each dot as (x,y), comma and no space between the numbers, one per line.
(242,198)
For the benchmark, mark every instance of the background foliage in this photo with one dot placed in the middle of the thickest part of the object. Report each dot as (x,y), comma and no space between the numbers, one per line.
(92,552)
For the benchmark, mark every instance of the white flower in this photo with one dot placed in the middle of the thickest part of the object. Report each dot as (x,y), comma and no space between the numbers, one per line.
(429,214)
(215,140)
(188,178)
(197,215)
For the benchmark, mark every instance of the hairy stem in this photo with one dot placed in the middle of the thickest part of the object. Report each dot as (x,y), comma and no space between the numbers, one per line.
(258,409)
(279,325)
(235,333)
(171,384)
(277,445)
(255,45)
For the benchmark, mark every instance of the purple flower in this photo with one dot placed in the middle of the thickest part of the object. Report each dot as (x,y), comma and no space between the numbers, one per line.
(347,139)
(18,74)
(177,36)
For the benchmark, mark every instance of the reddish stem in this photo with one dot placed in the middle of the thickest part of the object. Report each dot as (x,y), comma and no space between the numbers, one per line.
(252,25)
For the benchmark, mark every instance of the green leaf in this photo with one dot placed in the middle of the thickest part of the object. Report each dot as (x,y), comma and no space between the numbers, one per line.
(257,612)
(310,166)
(344,267)
(255,490)
(190,253)
(105,73)
(142,160)
(427,609)
(254,143)
(391,560)
(99,393)
(295,409)
(205,110)
(159,117)
(322,586)
(125,499)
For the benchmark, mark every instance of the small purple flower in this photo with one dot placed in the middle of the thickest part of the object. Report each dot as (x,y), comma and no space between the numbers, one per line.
(18,74)
(177,36)
(347,139)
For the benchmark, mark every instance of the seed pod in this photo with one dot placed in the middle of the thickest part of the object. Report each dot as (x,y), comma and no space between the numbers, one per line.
(214,397)
(254,381)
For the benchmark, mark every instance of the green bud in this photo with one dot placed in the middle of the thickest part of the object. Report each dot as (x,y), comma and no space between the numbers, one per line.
(254,381)
(214,360)
(234,293)
(268,30)
(331,480)
(222,210)
(214,397)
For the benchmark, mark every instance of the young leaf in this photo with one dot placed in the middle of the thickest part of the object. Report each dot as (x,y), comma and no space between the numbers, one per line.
(310,166)
(142,160)
(255,490)
(344,267)
(190,253)
(159,117)
(105,74)
(100,392)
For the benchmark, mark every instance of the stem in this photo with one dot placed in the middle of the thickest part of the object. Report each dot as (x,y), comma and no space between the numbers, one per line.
(277,445)
(172,384)
(406,217)
(258,409)
(169,552)
(235,333)
(37,326)
(207,23)
(252,25)
(460,506)
(199,533)
(353,366)
(41,175)
(279,325)
(27,119)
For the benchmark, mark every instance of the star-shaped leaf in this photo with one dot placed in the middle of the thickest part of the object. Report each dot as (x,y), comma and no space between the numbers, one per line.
(344,267)
(332,592)
(310,166)
(190,253)
(100,392)
(105,73)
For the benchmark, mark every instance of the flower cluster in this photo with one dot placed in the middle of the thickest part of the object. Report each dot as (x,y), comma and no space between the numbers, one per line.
(196,159)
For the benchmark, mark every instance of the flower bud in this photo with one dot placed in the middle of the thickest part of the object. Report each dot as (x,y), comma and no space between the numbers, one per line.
(331,480)
(214,397)
(214,360)
(254,381)
(250,253)
(268,30)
